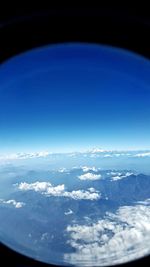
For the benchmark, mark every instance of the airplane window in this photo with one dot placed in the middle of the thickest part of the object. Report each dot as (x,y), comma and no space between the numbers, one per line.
(75,154)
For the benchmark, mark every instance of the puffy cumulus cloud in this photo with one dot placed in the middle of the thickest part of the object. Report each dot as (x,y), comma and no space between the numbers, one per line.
(120,176)
(118,238)
(12,202)
(89,176)
(43,187)
(142,155)
(48,189)
(16,156)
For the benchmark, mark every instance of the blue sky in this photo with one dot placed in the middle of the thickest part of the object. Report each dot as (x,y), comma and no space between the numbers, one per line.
(74,96)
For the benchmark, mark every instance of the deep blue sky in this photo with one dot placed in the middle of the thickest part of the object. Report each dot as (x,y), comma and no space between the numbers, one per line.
(71,97)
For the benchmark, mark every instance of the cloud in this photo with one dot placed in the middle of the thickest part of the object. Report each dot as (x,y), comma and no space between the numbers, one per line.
(62,170)
(118,238)
(141,155)
(89,176)
(43,187)
(108,156)
(120,154)
(69,212)
(48,189)
(45,237)
(92,189)
(16,156)
(82,194)
(146,202)
(94,153)
(113,154)
(98,150)
(115,178)
(114,173)
(86,169)
(105,153)
(13,202)
(119,176)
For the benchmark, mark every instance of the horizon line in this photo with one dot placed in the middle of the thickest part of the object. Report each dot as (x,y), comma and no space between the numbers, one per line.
(92,150)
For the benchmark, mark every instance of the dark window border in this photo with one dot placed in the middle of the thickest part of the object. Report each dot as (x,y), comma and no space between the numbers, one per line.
(22,29)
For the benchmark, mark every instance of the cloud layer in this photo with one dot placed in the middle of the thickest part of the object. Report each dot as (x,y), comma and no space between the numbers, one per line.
(16,156)
(48,189)
(119,237)
(95,153)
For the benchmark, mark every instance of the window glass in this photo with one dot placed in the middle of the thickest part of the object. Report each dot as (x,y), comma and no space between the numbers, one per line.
(75,154)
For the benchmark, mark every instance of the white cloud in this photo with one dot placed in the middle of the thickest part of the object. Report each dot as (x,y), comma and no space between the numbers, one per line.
(43,187)
(115,178)
(146,202)
(82,194)
(12,202)
(44,237)
(141,155)
(120,176)
(86,169)
(92,189)
(89,176)
(62,170)
(108,156)
(94,153)
(119,154)
(16,156)
(46,188)
(118,238)
(98,150)
(114,173)
(69,212)
(113,154)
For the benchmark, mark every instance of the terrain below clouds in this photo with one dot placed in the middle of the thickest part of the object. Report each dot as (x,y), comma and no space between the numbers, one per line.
(75,212)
